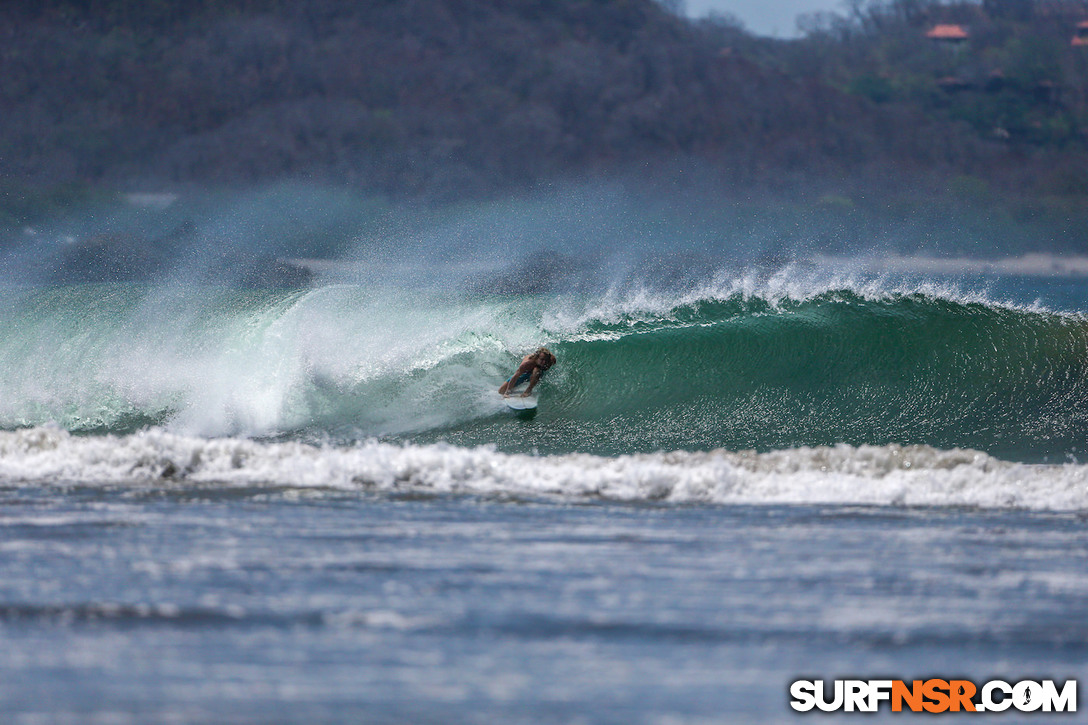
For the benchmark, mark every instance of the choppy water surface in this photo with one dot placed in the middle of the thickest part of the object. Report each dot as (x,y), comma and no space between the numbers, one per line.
(278,604)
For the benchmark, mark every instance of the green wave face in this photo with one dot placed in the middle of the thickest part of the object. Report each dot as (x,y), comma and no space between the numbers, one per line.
(837,368)
(734,371)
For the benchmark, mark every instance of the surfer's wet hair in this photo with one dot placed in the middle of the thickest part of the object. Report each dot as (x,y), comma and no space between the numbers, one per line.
(549,359)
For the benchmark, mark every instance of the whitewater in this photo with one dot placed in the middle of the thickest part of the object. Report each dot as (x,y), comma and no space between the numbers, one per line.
(875,475)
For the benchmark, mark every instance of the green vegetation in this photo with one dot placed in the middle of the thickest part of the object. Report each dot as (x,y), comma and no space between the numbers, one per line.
(1016,78)
(862,118)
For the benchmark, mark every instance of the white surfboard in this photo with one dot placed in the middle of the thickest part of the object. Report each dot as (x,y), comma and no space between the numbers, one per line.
(516,402)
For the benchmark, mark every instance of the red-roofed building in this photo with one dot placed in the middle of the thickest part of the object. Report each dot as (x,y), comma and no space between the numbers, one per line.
(947,33)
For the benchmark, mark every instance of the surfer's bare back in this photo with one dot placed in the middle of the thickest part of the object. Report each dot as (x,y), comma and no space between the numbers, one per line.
(531,368)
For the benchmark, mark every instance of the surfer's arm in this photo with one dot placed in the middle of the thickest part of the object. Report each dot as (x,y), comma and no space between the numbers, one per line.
(509,384)
(532,382)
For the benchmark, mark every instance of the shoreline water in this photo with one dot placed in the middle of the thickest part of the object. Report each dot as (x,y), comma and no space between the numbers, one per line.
(1035,264)
(247,605)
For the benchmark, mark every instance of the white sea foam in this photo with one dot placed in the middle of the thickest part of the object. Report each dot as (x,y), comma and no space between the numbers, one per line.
(877,475)
(212,365)
(793,283)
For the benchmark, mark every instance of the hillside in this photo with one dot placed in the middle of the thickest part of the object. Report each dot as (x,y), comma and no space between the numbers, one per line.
(861,120)
(436,96)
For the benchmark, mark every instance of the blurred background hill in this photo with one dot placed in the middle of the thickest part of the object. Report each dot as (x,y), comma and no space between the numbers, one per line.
(885,109)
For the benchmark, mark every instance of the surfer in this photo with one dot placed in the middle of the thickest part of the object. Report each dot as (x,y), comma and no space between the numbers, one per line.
(531,368)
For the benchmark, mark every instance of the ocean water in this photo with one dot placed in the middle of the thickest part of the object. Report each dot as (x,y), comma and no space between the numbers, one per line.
(229,505)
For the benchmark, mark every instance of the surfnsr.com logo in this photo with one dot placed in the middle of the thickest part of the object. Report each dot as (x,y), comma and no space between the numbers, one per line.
(933,696)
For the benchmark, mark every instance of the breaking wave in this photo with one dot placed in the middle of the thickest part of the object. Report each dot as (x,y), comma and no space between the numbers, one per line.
(734,364)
